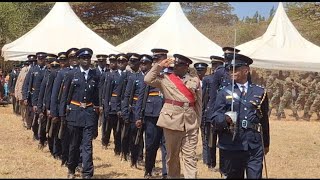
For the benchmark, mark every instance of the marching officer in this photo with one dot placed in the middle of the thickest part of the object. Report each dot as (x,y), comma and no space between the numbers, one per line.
(209,149)
(26,94)
(147,112)
(44,105)
(244,137)
(112,100)
(220,80)
(158,55)
(11,85)
(128,104)
(180,116)
(66,61)
(104,86)
(31,90)
(79,104)
(18,91)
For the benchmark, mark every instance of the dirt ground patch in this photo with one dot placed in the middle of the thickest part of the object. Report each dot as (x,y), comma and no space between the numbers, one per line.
(294,153)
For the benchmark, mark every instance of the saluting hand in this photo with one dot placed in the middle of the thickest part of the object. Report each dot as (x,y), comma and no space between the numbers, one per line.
(166,62)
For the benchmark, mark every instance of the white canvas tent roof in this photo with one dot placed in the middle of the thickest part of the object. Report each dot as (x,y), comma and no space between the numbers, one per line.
(59,31)
(282,47)
(174,32)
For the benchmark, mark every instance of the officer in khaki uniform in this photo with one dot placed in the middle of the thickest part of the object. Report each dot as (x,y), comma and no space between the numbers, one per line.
(180,116)
(18,89)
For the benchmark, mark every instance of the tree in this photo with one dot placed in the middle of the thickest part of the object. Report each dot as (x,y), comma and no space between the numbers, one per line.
(271,13)
(116,21)
(306,18)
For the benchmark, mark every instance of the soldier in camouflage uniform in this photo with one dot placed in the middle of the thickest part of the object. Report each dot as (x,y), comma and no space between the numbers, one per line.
(301,99)
(276,89)
(310,95)
(287,99)
(316,103)
(271,78)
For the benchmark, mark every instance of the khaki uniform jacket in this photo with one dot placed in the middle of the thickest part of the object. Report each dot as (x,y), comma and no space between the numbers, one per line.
(172,116)
(18,89)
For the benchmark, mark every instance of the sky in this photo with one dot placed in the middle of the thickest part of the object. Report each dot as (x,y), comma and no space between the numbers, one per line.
(243,9)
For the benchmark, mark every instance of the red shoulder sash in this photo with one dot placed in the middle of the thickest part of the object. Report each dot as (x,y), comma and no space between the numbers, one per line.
(181,87)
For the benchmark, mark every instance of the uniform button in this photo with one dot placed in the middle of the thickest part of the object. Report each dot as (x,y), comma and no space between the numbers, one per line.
(245,100)
(84,98)
(245,109)
(245,117)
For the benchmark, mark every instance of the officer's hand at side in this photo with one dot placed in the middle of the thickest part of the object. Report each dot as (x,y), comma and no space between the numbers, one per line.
(101,109)
(55,119)
(35,108)
(119,114)
(25,102)
(266,150)
(229,120)
(138,123)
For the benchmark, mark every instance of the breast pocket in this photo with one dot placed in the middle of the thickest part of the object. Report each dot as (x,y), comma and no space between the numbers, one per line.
(149,107)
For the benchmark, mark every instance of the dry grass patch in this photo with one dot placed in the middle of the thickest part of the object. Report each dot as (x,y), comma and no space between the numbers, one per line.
(294,153)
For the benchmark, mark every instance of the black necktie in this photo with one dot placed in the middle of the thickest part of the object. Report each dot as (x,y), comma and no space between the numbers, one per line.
(84,74)
(243,91)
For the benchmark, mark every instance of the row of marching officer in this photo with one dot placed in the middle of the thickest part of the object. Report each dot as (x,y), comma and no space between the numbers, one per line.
(62,100)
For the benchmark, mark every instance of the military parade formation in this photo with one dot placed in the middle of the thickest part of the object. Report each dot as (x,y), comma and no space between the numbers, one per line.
(150,102)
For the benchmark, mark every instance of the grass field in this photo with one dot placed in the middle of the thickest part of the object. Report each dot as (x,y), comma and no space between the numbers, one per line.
(294,153)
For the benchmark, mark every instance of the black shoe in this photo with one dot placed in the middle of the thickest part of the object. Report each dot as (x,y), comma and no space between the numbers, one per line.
(164,176)
(35,138)
(63,162)
(79,169)
(70,175)
(41,146)
(147,176)
(86,177)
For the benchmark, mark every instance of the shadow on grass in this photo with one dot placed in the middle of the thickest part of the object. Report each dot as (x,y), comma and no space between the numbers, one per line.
(103,165)
(110,175)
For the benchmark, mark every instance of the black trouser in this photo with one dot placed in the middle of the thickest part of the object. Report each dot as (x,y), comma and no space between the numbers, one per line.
(81,140)
(211,151)
(153,134)
(125,138)
(134,149)
(42,134)
(56,142)
(35,124)
(113,119)
(236,163)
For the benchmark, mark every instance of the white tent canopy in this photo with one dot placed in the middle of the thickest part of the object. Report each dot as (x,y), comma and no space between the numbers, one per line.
(59,31)
(282,47)
(174,32)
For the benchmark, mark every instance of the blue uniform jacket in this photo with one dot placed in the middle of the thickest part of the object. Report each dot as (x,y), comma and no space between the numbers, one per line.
(83,91)
(135,81)
(256,96)
(44,101)
(38,75)
(26,82)
(58,82)
(153,104)
(112,100)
